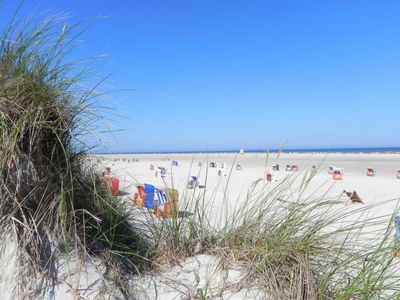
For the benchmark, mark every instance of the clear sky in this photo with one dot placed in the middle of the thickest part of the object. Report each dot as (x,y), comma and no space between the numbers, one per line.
(224,74)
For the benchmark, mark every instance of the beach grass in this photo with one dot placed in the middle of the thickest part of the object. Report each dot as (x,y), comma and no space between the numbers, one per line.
(293,244)
(51,198)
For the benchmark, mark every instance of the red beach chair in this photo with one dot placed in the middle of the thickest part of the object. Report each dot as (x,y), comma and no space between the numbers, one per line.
(370,172)
(268,176)
(114,186)
(111,185)
(337,175)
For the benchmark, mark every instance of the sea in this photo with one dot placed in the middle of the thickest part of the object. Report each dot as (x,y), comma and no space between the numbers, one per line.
(299,150)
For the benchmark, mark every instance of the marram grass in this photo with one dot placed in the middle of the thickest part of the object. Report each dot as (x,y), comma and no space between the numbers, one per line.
(293,246)
(50,200)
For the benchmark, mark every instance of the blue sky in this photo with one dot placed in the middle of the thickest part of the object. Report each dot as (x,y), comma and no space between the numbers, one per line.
(222,74)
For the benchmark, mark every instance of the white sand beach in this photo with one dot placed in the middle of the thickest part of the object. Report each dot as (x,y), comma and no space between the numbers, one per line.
(233,187)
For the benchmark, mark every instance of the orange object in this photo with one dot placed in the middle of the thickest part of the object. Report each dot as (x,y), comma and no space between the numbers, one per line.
(141,192)
(397,253)
(166,210)
(337,175)
(139,196)
(137,200)
(156,211)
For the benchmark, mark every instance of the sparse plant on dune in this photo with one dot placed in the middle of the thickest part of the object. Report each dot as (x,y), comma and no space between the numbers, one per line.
(293,244)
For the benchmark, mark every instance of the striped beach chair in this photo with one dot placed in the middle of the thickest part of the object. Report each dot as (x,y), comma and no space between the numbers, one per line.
(162,197)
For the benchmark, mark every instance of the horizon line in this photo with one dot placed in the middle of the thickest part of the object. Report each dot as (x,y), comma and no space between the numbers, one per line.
(255,150)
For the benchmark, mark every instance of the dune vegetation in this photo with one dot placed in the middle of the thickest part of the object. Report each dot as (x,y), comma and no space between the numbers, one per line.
(51,199)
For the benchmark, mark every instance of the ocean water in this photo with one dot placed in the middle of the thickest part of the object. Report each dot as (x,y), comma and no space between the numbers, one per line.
(303,150)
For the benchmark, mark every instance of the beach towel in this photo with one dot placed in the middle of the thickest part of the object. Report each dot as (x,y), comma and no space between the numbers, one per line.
(149,196)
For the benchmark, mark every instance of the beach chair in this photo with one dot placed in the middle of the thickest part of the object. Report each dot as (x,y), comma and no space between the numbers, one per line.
(193,182)
(370,172)
(163,202)
(238,167)
(288,168)
(159,202)
(337,175)
(295,168)
(331,169)
(353,197)
(268,176)
(151,167)
(169,202)
(275,167)
(162,171)
(114,187)
(175,163)
(398,174)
